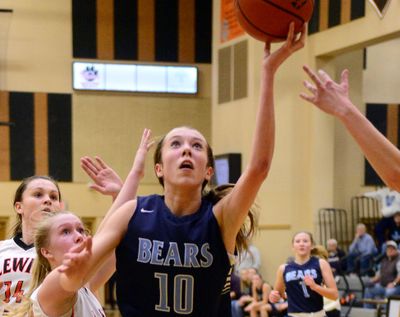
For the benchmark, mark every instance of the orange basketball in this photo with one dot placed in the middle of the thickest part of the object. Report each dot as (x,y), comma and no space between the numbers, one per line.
(270,19)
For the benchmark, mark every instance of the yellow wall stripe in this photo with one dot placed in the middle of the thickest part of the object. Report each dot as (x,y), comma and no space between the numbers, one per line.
(392,123)
(186,31)
(105,29)
(41,134)
(345,11)
(323,14)
(146,30)
(4,138)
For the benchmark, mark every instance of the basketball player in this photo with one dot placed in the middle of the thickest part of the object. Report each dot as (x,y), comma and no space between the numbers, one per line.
(173,248)
(333,98)
(301,280)
(51,293)
(35,196)
(55,237)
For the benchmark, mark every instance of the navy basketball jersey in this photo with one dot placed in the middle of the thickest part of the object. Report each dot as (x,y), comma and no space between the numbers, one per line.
(168,265)
(225,307)
(301,299)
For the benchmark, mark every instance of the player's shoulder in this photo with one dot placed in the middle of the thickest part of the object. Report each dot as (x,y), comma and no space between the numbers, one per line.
(323,263)
(7,243)
(16,246)
(282,267)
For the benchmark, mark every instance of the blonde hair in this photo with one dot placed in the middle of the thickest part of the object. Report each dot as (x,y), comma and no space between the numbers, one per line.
(320,252)
(41,266)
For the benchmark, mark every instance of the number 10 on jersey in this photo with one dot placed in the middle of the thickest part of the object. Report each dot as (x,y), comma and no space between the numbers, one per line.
(182,297)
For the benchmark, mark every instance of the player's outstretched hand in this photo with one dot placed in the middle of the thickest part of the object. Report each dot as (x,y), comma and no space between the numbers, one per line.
(140,158)
(328,95)
(105,180)
(73,268)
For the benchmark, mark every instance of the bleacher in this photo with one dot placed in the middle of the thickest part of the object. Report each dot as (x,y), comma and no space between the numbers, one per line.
(340,225)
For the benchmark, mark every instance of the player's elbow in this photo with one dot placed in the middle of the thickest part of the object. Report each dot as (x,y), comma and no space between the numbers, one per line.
(260,169)
(334,295)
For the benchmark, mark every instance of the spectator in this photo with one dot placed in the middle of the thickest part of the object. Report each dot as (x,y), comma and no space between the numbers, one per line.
(386,281)
(236,290)
(249,258)
(335,256)
(388,228)
(260,291)
(242,297)
(361,251)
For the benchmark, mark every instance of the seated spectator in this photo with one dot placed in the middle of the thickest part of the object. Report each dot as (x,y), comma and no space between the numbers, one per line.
(335,257)
(236,290)
(242,296)
(361,252)
(259,291)
(249,258)
(386,281)
(388,228)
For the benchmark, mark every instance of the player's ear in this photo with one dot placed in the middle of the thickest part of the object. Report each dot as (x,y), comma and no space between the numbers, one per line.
(158,170)
(46,253)
(18,207)
(209,173)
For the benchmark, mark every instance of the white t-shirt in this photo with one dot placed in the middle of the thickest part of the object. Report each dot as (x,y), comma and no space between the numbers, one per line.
(389,200)
(86,305)
(16,263)
(249,259)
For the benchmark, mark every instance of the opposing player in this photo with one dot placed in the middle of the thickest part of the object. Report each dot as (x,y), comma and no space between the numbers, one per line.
(333,98)
(34,197)
(51,293)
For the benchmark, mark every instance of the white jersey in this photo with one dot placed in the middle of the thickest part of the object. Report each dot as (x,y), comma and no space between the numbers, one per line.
(16,263)
(86,305)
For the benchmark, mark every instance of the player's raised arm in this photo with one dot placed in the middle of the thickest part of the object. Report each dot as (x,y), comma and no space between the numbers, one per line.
(333,98)
(232,210)
(127,193)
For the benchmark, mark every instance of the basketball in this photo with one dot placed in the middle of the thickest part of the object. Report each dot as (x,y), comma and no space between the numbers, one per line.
(270,19)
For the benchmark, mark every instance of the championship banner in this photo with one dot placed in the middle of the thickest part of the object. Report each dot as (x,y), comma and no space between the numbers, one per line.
(230,27)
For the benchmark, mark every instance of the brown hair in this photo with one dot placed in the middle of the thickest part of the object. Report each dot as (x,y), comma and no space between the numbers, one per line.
(158,158)
(307,233)
(19,193)
(248,228)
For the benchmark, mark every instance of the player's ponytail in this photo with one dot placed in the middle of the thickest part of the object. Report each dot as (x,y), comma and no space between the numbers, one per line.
(319,251)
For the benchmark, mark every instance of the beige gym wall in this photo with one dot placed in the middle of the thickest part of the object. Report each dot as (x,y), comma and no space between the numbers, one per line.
(309,144)
(316,164)
(39,59)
